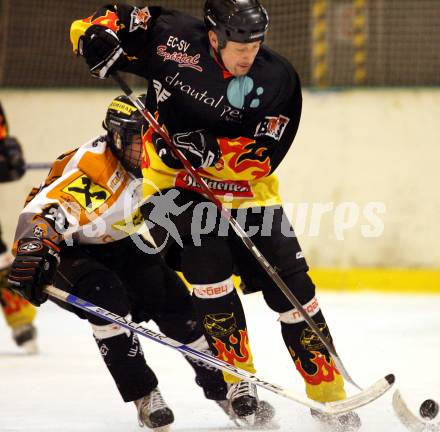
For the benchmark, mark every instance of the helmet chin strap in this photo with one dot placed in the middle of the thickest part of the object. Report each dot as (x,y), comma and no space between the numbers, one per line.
(216,53)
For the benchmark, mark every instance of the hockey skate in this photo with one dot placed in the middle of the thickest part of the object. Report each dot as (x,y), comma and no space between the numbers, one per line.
(348,422)
(25,336)
(264,416)
(244,408)
(153,412)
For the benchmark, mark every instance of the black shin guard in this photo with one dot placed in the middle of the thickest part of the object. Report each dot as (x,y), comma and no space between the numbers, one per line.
(224,326)
(124,359)
(305,348)
(219,309)
(310,356)
(208,377)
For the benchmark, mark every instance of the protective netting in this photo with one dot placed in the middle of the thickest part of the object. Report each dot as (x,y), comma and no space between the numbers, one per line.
(330,42)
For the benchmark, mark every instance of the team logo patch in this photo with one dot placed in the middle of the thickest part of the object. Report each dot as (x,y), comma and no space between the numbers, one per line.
(162,94)
(40,231)
(222,324)
(309,340)
(273,127)
(89,195)
(139,19)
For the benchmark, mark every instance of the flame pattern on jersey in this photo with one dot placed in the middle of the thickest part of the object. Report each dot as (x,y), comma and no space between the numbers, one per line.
(105,18)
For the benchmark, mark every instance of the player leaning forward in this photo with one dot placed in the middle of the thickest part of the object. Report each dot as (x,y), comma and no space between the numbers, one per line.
(78,222)
(232,107)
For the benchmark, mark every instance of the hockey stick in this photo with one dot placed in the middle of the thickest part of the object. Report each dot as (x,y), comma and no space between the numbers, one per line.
(410,420)
(38,166)
(339,407)
(267,267)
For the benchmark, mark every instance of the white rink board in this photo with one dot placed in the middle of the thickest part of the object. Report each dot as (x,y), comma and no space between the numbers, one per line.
(67,388)
(352,146)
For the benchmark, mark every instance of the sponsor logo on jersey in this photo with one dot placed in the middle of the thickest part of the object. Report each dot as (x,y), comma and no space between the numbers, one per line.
(139,19)
(89,195)
(238,189)
(272,127)
(116,179)
(241,89)
(161,93)
(179,44)
(181,58)
(228,112)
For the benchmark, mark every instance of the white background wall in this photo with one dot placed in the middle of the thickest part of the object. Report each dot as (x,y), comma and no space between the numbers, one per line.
(353,148)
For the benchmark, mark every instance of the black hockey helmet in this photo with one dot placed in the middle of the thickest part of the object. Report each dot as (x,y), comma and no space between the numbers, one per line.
(123,123)
(236,20)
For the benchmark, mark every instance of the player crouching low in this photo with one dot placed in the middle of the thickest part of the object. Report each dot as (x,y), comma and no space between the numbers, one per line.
(73,233)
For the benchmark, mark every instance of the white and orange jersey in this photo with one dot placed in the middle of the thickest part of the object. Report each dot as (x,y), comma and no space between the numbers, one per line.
(88,197)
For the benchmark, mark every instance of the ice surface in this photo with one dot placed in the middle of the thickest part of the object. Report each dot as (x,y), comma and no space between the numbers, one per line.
(66,388)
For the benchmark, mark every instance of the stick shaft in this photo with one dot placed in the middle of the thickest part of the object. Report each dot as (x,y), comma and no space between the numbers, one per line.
(184,349)
(38,165)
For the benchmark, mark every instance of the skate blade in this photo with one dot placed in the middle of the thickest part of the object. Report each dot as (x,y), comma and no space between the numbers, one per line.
(166,428)
(272,425)
(30,347)
(253,423)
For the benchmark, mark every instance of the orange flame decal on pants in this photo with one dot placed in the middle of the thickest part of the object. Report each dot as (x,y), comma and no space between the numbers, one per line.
(242,358)
(326,370)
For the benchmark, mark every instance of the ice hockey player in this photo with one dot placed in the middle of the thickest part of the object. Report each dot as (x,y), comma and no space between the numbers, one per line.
(73,233)
(232,106)
(18,312)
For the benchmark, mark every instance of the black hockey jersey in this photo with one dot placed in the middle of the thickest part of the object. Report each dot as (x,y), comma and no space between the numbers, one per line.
(255,117)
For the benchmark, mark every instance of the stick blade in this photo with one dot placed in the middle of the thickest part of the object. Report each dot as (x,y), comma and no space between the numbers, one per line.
(362,398)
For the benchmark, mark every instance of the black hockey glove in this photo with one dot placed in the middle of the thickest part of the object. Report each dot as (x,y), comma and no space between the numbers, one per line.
(34,267)
(101,48)
(11,160)
(199,147)
(164,152)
